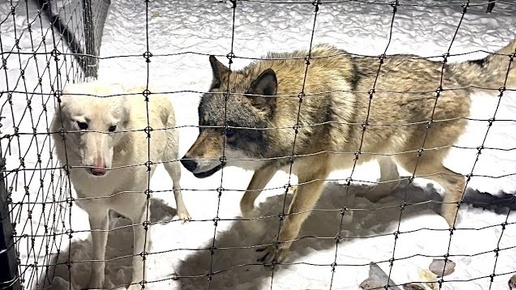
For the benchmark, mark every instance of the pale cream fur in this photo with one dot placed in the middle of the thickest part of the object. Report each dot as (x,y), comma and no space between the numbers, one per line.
(123,153)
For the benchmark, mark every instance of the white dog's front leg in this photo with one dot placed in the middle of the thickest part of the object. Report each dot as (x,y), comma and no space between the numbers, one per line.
(141,244)
(174,170)
(99,236)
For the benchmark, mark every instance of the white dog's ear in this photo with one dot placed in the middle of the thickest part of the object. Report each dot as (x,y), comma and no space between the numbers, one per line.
(219,71)
(263,90)
(62,110)
(122,109)
(117,89)
(72,91)
(69,91)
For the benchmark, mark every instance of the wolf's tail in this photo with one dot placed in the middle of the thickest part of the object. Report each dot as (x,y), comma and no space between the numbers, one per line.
(490,73)
(500,203)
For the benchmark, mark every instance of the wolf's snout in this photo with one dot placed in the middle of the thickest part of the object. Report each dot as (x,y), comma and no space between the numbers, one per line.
(188,163)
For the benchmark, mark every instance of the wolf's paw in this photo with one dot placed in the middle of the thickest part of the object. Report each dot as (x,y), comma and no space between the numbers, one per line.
(379,191)
(248,211)
(254,228)
(273,254)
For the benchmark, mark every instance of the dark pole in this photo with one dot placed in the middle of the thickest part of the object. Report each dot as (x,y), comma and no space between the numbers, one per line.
(85,61)
(9,278)
(90,60)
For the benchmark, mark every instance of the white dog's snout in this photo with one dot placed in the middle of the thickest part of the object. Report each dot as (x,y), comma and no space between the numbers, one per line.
(99,166)
(97,153)
(99,162)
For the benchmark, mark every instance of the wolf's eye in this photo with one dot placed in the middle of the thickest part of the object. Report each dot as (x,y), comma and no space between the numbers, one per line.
(215,85)
(112,128)
(229,132)
(82,125)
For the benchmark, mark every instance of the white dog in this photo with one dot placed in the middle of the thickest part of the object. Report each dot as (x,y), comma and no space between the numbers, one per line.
(104,143)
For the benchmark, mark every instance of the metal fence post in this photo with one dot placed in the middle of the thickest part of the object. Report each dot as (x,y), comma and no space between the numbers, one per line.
(90,61)
(9,278)
(93,19)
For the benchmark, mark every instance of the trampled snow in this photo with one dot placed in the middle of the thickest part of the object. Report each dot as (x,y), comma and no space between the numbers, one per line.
(180,36)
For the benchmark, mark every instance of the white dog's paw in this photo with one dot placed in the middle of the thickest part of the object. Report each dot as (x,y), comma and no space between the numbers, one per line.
(135,287)
(184,216)
(96,280)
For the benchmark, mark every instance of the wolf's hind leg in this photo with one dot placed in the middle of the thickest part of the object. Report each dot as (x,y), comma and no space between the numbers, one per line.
(388,182)
(454,184)
(430,166)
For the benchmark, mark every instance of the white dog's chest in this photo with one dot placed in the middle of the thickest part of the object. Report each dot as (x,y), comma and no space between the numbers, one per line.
(114,184)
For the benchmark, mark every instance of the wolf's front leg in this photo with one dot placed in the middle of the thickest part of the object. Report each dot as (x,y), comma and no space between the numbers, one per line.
(305,197)
(260,179)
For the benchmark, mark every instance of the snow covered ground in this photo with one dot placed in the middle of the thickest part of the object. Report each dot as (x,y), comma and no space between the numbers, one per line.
(180,35)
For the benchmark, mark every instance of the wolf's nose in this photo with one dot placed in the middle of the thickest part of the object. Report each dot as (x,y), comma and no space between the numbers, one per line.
(189,163)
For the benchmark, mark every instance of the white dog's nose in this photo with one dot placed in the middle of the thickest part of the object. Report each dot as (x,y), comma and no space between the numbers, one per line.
(99,167)
(98,171)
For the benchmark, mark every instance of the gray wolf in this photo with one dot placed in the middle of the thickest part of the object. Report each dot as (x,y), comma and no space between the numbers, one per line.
(402,110)
(105,148)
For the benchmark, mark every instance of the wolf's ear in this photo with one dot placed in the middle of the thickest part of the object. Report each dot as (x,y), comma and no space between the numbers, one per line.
(263,90)
(219,71)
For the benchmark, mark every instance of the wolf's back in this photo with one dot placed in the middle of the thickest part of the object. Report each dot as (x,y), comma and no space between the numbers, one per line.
(490,73)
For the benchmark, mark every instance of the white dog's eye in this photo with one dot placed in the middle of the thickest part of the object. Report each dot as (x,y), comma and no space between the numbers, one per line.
(82,125)
(112,128)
